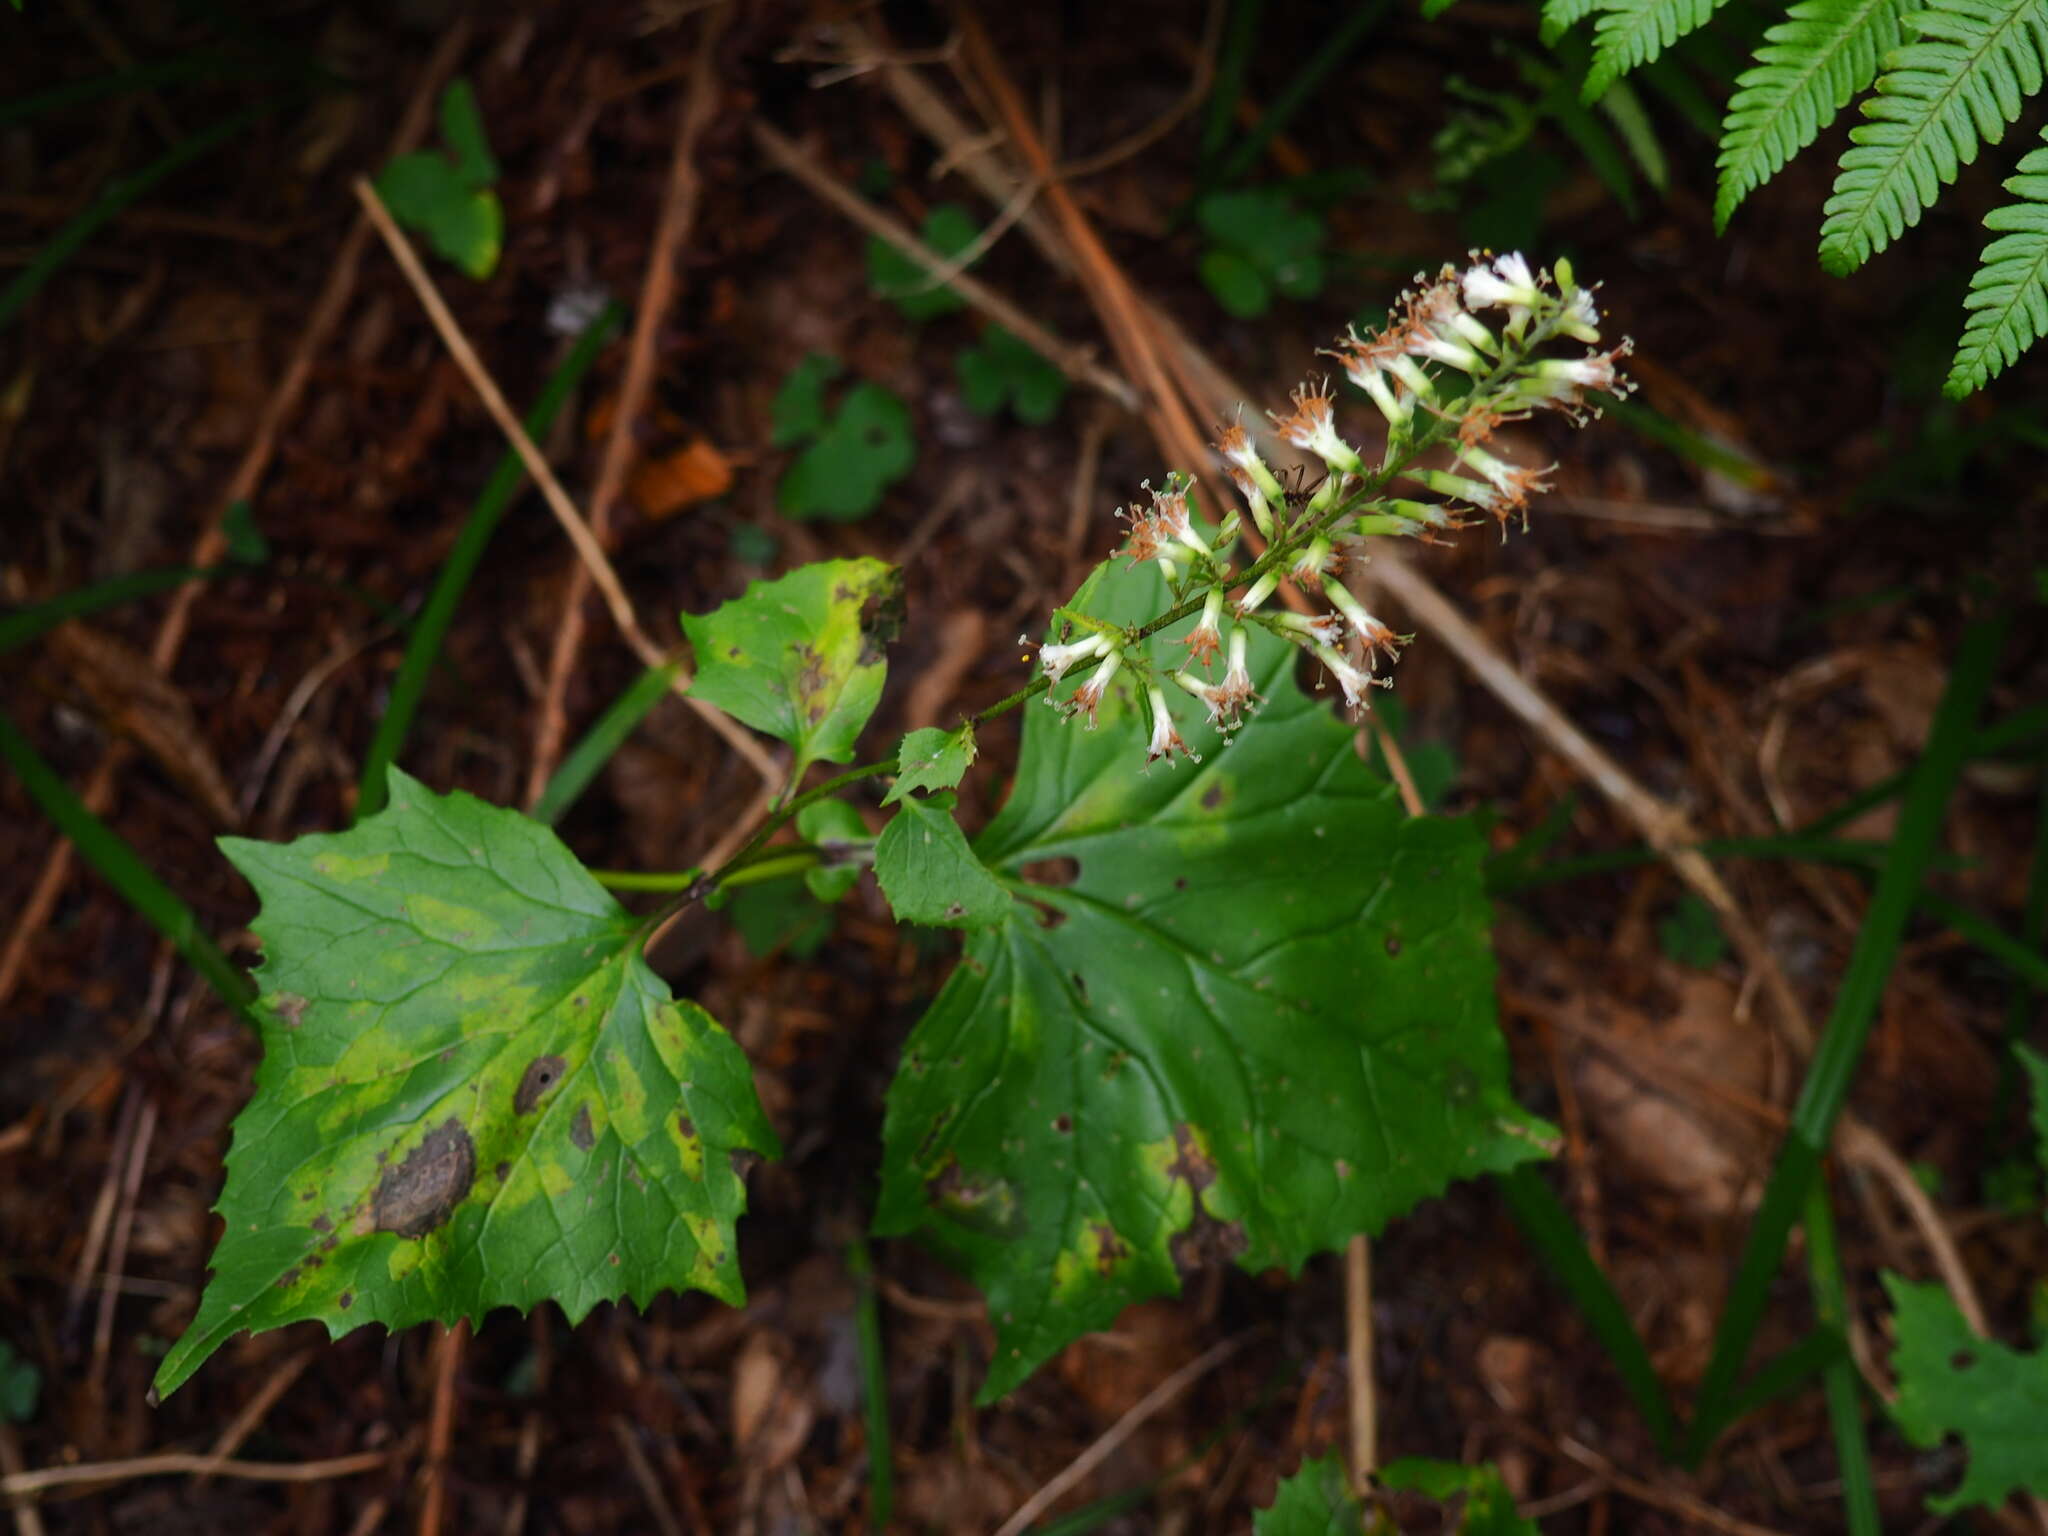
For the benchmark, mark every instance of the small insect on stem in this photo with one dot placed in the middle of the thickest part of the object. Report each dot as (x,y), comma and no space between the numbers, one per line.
(1297,489)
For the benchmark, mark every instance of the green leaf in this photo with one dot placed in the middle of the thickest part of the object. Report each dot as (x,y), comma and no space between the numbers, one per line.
(1431,9)
(860,454)
(246,544)
(1631,32)
(2008,299)
(1236,283)
(777,916)
(1560,16)
(798,410)
(1974,65)
(462,130)
(1809,67)
(474,1093)
(801,657)
(948,229)
(1256,1021)
(1004,370)
(425,193)
(1951,1382)
(928,872)
(2036,1066)
(20,1384)
(1489,1507)
(1691,934)
(932,759)
(836,829)
(1316,1501)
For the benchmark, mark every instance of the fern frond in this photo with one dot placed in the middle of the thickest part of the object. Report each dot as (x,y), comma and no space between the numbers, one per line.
(1632,32)
(2008,300)
(1809,66)
(1958,86)
(1560,16)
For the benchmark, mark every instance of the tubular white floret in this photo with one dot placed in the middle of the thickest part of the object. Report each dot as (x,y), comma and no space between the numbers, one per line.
(1207,635)
(1512,481)
(1312,562)
(1260,590)
(1372,378)
(1215,698)
(1377,637)
(1313,426)
(1088,697)
(1322,629)
(1356,684)
(1235,445)
(1505,284)
(1057,659)
(1580,320)
(1165,736)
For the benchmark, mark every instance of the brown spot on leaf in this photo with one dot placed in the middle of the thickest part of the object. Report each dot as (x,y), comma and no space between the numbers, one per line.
(1393,944)
(742,1162)
(580,1131)
(345,1300)
(1110,1250)
(422,1192)
(1190,1161)
(322,1224)
(881,618)
(284,1281)
(687,1126)
(504,1172)
(1205,1241)
(1063,1123)
(541,1074)
(1212,797)
(291,1009)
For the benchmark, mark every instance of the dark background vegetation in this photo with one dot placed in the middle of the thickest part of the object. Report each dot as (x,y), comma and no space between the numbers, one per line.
(1757,628)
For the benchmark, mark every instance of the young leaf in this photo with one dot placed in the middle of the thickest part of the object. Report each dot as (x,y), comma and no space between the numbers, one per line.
(932,759)
(835,827)
(1809,67)
(20,1384)
(798,410)
(1002,370)
(1951,1382)
(462,130)
(928,872)
(1691,934)
(2008,299)
(948,229)
(474,1093)
(1489,1507)
(1316,1501)
(1974,66)
(462,223)
(801,657)
(1257,1020)
(861,452)
(1236,283)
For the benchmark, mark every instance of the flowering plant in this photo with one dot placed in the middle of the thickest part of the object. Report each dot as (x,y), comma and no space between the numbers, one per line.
(1252,1018)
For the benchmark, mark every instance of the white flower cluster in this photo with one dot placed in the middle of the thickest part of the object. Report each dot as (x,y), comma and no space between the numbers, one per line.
(1436,325)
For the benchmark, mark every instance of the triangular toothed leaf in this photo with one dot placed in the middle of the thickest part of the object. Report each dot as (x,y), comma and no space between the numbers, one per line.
(1974,65)
(1255,1021)
(473,1094)
(1631,32)
(802,657)
(1809,67)
(2008,298)
(1954,1382)
(1316,1501)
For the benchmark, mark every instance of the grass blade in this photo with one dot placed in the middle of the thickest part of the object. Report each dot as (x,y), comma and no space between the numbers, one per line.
(589,755)
(25,624)
(2026,963)
(1840,1050)
(1555,1236)
(1787,1371)
(1838,1376)
(123,868)
(2019,729)
(432,626)
(116,198)
(1337,45)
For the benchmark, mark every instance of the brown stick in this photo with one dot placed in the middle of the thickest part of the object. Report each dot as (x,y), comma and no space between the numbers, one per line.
(587,548)
(252,1412)
(657,294)
(175,1463)
(212,543)
(117,1252)
(441,1426)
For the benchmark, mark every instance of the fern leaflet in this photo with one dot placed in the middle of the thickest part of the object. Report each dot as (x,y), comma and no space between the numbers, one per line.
(1560,16)
(1976,62)
(1632,32)
(1808,67)
(2008,300)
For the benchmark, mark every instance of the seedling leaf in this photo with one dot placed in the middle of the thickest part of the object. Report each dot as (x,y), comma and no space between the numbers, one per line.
(928,872)
(857,456)
(932,759)
(948,229)
(1003,370)
(20,1384)
(465,225)
(1952,1382)
(1316,1501)
(798,411)
(835,827)
(462,130)
(1257,1021)
(802,657)
(474,1093)
(1489,1507)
